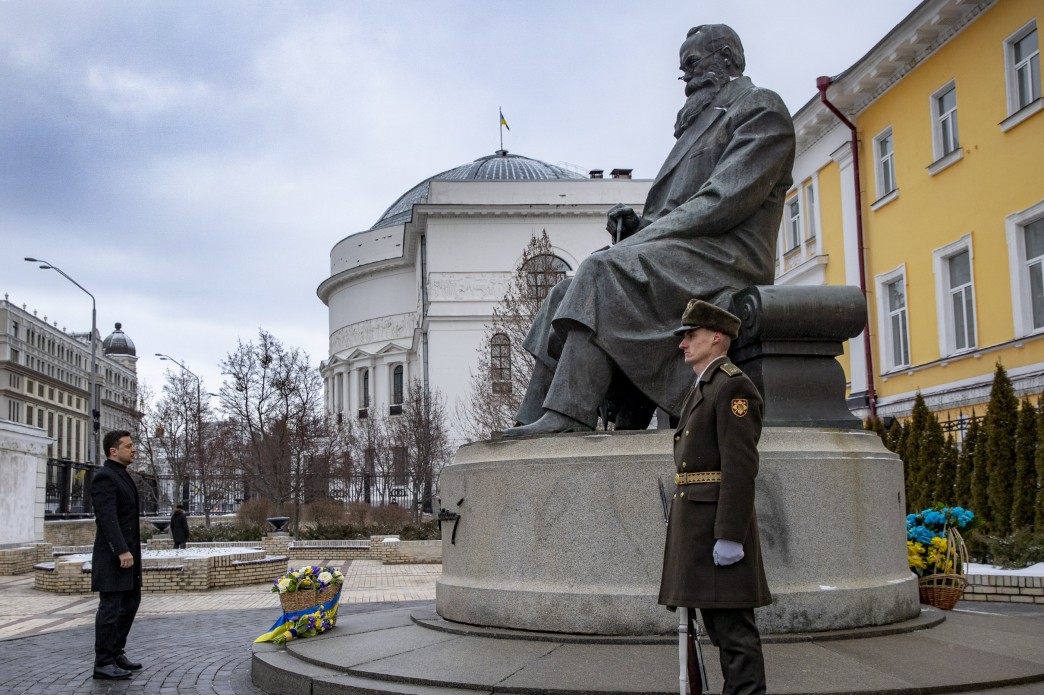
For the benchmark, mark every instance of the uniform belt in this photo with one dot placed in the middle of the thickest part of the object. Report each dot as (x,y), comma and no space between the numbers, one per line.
(701,477)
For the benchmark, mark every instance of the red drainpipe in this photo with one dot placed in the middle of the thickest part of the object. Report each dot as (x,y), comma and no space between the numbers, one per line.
(821,84)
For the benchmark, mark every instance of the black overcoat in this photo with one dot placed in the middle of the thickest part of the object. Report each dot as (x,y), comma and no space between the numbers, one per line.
(708,230)
(719,431)
(115,499)
(179,527)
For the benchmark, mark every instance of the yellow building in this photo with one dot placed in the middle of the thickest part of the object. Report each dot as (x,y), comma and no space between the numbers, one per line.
(946,110)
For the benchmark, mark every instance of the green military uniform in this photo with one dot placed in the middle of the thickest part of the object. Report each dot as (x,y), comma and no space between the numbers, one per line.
(718,434)
(718,431)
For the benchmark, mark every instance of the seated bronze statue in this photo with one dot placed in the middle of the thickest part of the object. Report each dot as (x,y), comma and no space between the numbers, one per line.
(602,339)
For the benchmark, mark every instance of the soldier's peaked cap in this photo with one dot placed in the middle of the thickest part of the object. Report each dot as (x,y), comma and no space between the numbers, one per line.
(701,314)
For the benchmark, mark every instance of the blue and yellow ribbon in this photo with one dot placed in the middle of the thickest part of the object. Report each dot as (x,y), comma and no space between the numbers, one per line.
(288,620)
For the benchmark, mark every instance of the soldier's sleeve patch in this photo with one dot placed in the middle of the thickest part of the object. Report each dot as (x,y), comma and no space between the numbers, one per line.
(740,406)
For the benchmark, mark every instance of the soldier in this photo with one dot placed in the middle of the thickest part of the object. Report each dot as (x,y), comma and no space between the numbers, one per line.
(712,559)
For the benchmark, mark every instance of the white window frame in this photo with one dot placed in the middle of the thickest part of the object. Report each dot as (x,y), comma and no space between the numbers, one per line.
(941,123)
(1018,113)
(884,319)
(884,168)
(793,223)
(810,200)
(944,305)
(1021,306)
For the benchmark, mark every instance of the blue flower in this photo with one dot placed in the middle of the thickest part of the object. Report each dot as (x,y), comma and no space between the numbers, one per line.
(934,518)
(921,534)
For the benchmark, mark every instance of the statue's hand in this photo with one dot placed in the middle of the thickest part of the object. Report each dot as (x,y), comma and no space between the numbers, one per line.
(622,219)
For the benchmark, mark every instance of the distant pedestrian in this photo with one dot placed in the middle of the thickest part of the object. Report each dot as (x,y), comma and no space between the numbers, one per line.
(712,559)
(116,560)
(179,527)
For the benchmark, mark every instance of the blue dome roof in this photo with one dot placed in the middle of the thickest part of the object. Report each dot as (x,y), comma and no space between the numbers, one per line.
(496,167)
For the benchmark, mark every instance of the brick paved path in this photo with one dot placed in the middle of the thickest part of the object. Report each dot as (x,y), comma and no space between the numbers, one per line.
(189,654)
(190,643)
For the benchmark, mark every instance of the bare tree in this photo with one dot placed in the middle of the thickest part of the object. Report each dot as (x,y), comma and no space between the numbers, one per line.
(273,397)
(145,436)
(420,434)
(502,376)
(175,422)
(372,454)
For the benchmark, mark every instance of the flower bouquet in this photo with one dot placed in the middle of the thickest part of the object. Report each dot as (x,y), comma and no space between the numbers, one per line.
(311,585)
(937,555)
(308,625)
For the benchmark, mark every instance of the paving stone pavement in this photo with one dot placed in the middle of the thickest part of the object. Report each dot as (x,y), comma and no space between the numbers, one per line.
(190,643)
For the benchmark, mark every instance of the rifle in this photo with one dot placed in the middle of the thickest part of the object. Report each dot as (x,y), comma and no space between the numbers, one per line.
(692,672)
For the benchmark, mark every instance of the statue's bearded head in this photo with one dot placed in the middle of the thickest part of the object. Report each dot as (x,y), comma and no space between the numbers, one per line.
(710,56)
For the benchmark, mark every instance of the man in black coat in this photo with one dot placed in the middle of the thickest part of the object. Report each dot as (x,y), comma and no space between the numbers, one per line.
(116,560)
(179,527)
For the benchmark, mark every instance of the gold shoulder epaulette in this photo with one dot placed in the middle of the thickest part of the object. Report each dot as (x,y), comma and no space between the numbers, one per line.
(731,369)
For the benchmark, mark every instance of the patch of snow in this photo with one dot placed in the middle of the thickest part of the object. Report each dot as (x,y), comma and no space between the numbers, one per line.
(1036,570)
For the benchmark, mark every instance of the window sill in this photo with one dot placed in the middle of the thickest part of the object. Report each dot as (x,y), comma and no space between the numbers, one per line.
(885,199)
(1022,114)
(896,371)
(945,161)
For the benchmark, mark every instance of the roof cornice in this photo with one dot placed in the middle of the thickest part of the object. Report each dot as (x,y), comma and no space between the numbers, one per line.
(931,25)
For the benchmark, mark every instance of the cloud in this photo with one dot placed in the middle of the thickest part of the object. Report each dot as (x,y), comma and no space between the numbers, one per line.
(126,92)
(193,163)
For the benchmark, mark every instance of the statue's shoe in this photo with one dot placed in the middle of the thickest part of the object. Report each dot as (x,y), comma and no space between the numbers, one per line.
(550,423)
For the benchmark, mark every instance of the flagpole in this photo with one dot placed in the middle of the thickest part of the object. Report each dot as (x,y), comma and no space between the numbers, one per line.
(500,122)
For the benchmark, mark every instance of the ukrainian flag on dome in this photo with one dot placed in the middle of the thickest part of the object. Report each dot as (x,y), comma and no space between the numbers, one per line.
(502,121)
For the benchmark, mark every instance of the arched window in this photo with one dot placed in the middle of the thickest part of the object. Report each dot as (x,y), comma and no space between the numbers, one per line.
(396,391)
(542,273)
(500,362)
(397,385)
(364,389)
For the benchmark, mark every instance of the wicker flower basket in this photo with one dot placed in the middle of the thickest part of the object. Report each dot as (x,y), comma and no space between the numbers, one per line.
(293,601)
(941,590)
(945,589)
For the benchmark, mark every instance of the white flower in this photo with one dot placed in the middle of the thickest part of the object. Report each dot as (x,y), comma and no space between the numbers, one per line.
(325,577)
(284,582)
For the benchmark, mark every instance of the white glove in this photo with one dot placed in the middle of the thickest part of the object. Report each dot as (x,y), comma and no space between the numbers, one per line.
(727,552)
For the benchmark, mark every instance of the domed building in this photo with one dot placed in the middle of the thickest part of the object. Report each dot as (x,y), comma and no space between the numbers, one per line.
(119,389)
(410,297)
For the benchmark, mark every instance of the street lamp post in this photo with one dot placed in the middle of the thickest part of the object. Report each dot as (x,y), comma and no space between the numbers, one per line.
(199,430)
(95,408)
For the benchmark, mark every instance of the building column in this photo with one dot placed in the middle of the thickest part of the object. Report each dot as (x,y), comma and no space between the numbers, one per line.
(852,252)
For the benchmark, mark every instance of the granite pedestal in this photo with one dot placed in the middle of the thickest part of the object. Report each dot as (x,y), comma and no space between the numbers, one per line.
(565,533)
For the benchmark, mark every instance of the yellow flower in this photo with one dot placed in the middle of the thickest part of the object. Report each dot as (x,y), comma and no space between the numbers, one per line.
(915,555)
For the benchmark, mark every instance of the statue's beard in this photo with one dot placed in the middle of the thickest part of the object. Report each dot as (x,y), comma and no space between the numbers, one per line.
(700,95)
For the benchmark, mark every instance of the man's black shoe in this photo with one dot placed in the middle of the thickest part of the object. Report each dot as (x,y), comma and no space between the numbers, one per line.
(111,672)
(126,664)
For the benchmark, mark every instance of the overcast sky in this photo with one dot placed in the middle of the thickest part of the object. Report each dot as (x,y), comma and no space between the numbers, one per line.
(192,163)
